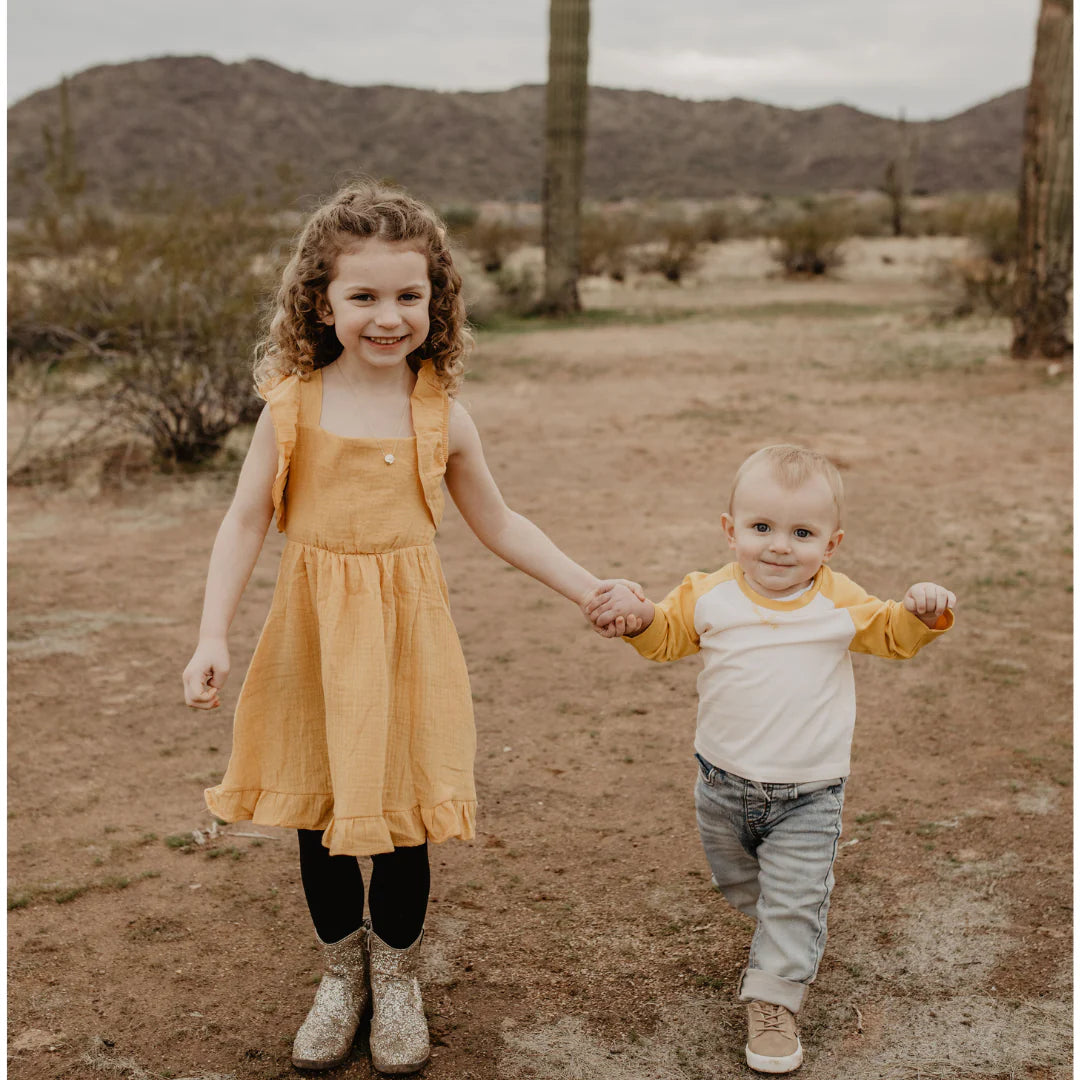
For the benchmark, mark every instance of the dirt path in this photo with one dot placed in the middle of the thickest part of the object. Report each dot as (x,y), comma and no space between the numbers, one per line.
(578,937)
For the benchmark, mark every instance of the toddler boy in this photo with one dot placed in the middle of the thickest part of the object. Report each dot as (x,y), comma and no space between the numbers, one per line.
(776,709)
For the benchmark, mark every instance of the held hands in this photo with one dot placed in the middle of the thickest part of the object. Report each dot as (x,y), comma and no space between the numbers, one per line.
(618,608)
(205,674)
(929,602)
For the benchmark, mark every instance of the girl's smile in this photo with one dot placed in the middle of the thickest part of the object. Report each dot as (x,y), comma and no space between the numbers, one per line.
(377,302)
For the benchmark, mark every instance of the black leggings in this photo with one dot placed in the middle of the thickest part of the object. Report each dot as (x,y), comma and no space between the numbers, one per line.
(334,888)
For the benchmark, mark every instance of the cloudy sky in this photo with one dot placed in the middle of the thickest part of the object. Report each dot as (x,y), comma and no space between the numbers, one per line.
(931,58)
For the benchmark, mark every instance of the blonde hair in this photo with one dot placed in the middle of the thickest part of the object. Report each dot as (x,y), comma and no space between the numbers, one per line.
(298,341)
(792,466)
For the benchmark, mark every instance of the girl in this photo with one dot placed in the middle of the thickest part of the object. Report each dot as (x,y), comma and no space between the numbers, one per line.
(354,724)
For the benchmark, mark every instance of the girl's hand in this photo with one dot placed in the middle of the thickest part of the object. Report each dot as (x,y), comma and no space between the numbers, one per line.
(612,614)
(592,599)
(205,674)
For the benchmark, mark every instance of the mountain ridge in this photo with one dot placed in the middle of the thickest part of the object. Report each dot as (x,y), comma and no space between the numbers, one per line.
(215,129)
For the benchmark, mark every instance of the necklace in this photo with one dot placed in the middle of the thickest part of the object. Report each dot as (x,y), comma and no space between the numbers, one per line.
(387,455)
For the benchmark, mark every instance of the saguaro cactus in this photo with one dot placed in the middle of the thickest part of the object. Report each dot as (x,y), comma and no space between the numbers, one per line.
(567,90)
(1044,265)
(898,174)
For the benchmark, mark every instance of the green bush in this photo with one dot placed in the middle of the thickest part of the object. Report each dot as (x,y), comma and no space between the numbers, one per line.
(518,290)
(992,226)
(459,219)
(678,256)
(605,244)
(158,318)
(982,283)
(976,286)
(990,221)
(492,240)
(714,225)
(810,244)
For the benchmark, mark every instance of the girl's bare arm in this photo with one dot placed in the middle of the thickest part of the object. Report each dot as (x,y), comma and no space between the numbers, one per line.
(508,534)
(236,548)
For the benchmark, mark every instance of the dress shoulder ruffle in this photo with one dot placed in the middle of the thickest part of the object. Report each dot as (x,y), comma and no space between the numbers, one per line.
(283,397)
(431,420)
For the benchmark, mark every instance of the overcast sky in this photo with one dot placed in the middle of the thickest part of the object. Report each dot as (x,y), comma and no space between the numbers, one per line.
(931,58)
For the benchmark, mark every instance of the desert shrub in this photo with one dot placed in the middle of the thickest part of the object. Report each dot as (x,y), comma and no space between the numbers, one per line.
(983,282)
(810,244)
(492,240)
(518,290)
(162,321)
(990,221)
(761,216)
(679,253)
(605,244)
(992,226)
(459,219)
(975,285)
(868,216)
(713,225)
(941,217)
(55,424)
(50,232)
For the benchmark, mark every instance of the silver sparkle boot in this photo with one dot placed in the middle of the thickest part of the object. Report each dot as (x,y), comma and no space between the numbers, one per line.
(326,1036)
(399,1032)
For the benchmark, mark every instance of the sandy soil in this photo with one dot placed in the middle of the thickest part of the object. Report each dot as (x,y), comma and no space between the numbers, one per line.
(578,936)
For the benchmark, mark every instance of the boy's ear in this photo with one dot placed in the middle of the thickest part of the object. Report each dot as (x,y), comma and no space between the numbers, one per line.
(833,544)
(728,523)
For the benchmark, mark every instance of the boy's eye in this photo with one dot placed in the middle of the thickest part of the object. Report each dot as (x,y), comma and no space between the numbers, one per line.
(803,534)
(761,527)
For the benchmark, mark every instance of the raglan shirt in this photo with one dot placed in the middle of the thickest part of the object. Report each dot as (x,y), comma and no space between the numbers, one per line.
(776,697)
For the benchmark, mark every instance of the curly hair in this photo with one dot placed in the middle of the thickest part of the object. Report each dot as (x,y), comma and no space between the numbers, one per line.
(298,341)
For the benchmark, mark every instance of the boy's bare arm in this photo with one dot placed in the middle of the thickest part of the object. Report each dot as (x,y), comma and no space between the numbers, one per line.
(615,611)
(929,602)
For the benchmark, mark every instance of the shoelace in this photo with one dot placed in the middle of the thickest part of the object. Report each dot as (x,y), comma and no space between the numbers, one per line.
(769,1017)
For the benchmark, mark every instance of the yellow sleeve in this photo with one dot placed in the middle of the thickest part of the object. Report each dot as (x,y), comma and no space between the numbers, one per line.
(882,627)
(671,634)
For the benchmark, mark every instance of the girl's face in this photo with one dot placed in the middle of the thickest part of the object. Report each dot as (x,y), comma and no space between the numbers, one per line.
(377,302)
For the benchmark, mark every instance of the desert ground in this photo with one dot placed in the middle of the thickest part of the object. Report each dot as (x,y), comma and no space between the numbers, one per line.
(578,938)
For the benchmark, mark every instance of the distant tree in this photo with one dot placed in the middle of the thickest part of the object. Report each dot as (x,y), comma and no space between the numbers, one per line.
(1044,265)
(567,90)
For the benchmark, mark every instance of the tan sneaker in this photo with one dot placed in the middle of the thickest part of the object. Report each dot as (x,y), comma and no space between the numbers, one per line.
(772,1040)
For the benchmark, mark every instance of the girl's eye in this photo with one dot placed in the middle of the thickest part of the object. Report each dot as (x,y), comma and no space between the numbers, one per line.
(761,527)
(803,534)
(364,296)
(409,297)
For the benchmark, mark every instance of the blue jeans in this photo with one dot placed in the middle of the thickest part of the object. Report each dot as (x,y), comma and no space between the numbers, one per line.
(771,849)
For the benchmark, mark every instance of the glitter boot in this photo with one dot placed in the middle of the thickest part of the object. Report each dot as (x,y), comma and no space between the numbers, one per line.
(399,1032)
(326,1036)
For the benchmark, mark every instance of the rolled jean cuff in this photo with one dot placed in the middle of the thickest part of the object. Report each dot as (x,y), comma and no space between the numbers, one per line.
(758,985)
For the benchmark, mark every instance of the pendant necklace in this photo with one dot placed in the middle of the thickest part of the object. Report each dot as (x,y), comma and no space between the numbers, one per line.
(387,455)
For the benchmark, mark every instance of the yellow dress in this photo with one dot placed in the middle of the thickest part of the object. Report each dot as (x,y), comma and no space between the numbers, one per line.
(355,716)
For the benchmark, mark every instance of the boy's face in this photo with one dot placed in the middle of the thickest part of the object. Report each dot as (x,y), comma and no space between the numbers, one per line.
(780,535)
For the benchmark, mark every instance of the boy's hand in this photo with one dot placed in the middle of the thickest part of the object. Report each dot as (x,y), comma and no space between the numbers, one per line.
(929,601)
(616,611)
